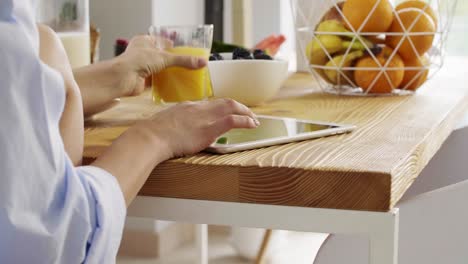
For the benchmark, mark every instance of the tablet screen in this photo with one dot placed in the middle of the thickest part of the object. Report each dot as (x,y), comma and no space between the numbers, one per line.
(271,128)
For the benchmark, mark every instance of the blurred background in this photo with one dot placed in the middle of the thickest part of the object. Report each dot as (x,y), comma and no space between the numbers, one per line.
(459,37)
(243,22)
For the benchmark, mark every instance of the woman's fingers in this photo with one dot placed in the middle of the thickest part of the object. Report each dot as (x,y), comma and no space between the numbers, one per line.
(223,107)
(188,62)
(230,114)
(190,127)
(163,43)
(229,122)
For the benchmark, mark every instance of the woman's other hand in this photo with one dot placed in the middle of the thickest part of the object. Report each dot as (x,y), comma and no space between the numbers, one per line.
(125,75)
(142,59)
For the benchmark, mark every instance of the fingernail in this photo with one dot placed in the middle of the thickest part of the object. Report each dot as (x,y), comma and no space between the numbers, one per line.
(201,62)
(256,122)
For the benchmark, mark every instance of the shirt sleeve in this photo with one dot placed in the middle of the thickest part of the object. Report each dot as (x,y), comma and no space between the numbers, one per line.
(110,211)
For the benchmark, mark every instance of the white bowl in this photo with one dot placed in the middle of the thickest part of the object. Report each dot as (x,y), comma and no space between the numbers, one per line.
(250,82)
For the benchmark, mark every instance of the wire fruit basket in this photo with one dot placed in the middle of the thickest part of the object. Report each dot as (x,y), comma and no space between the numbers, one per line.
(373,47)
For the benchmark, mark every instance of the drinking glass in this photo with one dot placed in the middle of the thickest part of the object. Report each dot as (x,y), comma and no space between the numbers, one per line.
(177,84)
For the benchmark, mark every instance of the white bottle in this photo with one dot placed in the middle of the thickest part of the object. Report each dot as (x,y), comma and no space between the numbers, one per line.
(77,46)
(70,19)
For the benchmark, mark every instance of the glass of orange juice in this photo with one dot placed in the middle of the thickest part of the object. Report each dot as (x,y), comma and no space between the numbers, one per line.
(177,84)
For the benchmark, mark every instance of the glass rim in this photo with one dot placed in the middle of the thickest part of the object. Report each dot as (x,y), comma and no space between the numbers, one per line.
(207,26)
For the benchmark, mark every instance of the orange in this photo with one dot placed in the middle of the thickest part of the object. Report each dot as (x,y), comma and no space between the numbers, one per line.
(357,11)
(413,79)
(365,77)
(422,5)
(422,22)
(333,13)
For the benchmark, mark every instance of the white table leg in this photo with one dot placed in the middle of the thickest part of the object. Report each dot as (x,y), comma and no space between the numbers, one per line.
(384,241)
(201,240)
(381,227)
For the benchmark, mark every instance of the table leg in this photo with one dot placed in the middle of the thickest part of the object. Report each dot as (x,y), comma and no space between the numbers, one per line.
(381,227)
(201,240)
(264,247)
(384,242)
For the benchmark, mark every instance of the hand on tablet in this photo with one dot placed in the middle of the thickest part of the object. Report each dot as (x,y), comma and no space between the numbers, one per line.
(190,127)
(276,131)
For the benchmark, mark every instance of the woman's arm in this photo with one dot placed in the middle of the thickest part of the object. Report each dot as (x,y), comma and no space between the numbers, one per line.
(183,129)
(53,54)
(99,85)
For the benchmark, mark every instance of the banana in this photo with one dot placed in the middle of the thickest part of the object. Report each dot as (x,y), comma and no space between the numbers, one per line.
(317,53)
(333,26)
(342,61)
(331,44)
(317,48)
(336,26)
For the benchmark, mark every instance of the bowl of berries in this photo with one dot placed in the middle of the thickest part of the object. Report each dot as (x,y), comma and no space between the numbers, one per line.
(251,78)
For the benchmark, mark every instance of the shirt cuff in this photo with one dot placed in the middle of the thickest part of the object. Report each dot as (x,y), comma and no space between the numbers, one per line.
(110,212)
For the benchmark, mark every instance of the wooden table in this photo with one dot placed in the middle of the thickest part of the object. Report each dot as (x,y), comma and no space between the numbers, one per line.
(368,170)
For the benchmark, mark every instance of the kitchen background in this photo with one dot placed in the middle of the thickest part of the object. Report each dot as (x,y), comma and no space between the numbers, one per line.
(123,19)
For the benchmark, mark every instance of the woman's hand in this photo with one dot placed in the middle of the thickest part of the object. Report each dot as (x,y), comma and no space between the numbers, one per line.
(179,130)
(142,59)
(189,127)
(125,75)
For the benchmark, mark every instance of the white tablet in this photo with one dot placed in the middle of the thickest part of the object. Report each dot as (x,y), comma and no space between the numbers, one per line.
(274,131)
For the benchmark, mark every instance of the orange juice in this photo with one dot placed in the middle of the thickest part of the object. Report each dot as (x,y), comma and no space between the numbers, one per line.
(177,84)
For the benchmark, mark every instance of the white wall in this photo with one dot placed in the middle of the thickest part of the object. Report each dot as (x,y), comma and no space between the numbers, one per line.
(178,12)
(266,18)
(288,50)
(119,19)
(458,37)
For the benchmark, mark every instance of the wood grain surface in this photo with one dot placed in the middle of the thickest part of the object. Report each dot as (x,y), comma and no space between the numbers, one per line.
(369,169)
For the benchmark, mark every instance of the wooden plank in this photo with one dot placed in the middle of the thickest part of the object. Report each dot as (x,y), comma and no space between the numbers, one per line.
(278,186)
(369,169)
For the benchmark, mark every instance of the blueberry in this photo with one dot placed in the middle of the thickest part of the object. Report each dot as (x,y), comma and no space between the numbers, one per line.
(263,57)
(258,52)
(216,57)
(240,53)
(243,58)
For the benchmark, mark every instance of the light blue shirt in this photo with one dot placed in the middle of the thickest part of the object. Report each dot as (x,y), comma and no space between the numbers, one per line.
(50,211)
